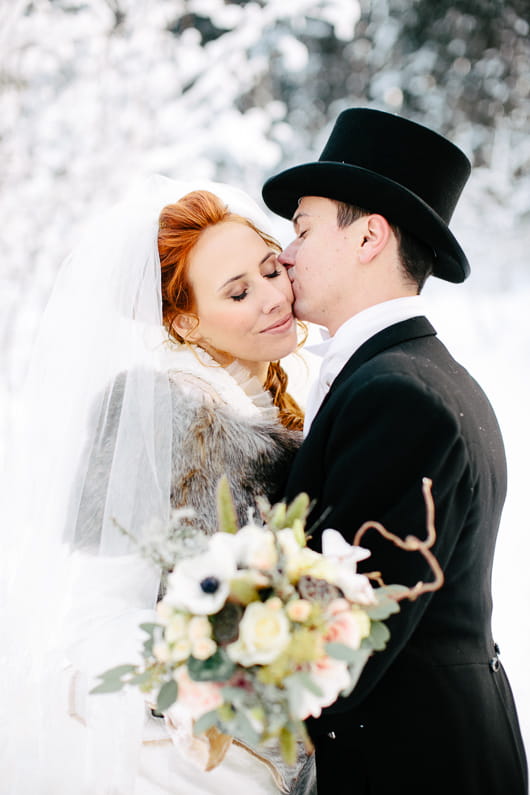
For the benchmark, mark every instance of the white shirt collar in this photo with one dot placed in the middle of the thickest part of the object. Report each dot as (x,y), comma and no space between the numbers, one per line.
(336,350)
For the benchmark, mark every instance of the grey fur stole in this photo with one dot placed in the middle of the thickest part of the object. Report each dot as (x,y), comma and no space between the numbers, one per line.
(208,440)
(211,440)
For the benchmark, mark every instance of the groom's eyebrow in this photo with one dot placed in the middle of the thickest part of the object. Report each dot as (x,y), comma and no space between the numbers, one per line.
(296,217)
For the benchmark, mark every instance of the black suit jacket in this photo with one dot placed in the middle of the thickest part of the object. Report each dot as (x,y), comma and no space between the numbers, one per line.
(434,710)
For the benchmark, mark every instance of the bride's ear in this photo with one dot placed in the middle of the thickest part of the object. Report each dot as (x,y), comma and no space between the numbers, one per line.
(186,325)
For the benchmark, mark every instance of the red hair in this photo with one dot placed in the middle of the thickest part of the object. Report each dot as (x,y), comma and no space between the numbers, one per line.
(180,226)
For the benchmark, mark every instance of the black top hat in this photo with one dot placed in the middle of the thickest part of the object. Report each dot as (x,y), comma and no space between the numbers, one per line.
(388,165)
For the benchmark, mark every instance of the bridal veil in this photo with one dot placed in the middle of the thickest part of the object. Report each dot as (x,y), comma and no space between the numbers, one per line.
(74,588)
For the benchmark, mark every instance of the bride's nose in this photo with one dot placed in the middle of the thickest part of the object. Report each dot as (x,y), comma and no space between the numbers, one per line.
(274,298)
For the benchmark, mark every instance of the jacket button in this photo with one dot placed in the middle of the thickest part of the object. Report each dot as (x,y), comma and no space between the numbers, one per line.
(494,665)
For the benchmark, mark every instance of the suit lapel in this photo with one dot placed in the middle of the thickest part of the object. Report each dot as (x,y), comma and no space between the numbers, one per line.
(388,338)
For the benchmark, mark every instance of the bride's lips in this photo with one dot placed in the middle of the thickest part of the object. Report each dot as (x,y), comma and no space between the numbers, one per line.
(280,326)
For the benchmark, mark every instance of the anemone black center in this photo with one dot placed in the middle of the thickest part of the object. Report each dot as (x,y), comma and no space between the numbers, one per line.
(210,584)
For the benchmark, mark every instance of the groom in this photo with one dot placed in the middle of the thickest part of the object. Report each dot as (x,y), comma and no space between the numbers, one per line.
(433,714)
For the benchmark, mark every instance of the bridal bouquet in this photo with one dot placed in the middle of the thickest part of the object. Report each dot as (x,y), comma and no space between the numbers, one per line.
(256,632)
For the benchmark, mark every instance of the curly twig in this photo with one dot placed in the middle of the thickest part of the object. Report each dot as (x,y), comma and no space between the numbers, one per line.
(412,543)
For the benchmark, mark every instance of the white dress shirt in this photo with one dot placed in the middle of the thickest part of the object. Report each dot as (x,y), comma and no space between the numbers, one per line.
(348,338)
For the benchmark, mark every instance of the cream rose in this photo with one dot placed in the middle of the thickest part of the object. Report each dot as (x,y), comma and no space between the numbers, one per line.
(176,627)
(203,648)
(263,635)
(299,610)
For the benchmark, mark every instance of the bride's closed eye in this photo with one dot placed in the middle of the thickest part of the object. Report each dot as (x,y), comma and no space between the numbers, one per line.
(275,268)
(273,274)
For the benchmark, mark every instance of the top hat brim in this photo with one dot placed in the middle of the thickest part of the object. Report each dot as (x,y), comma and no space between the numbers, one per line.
(374,193)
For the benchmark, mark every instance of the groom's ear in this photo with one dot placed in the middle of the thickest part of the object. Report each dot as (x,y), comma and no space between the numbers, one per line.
(186,325)
(375,236)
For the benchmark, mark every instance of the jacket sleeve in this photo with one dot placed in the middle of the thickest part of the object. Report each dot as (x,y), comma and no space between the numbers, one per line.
(382,439)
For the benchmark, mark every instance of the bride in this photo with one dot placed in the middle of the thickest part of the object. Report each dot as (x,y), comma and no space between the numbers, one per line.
(155,371)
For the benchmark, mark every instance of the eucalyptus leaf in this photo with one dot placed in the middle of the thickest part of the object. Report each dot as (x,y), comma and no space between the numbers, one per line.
(112,680)
(141,678)
(339,651)
(150,627)
(378,637)
(355,669)
(244,730)
(301,680)
(167,695)
(205,722)
(217,668)
(233,695)
(109,686)
(120,670)
(386,605)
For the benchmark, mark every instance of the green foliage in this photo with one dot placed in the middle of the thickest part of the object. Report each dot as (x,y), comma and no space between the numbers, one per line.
(141,679)
(277,514)
(205,722)
(226,512)
(288,745)
(298,682)
(378,637)
(113,679)
(217,668)
(150,628)
(243,590)
(242,728)
(225,623)
(339,651)
(297,510)
(167,695)
(386,604)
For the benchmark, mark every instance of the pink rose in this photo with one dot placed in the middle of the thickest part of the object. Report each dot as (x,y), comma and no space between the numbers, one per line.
(343,626)
(197,697)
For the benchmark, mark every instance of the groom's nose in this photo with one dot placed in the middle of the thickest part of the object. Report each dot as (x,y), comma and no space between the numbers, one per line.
(287,256)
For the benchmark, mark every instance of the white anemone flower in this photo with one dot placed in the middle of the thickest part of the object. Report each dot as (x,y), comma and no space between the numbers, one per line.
(255,547)
(201,584)
(356,587)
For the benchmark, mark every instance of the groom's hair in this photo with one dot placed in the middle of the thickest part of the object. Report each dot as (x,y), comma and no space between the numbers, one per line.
(417,259)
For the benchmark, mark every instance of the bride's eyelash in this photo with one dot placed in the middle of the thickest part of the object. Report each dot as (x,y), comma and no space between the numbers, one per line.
(243,294)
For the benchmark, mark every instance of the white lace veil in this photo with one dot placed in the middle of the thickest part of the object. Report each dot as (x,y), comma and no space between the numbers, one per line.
(73,588)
